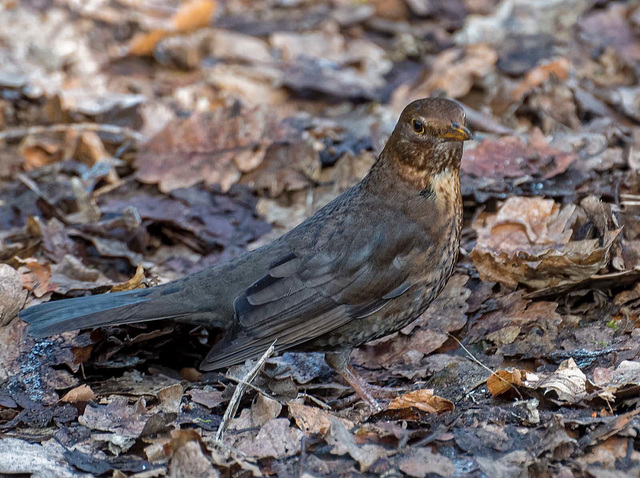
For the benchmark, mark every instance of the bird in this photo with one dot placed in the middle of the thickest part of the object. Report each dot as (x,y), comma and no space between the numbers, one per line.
(362,267)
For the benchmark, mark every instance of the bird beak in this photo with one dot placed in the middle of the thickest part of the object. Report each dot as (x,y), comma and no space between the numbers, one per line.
(456,132)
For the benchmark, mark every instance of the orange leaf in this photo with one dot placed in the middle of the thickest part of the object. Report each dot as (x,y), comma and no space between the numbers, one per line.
(83,393)
(504,380)
(143,43)
(558,68)
(193,15)
(133,283)
(423,400)
(189,17)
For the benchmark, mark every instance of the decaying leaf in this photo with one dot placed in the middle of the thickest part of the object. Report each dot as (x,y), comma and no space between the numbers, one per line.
(422,462)
(312,420)
(344,442)
(424,400)
(83,393)
(568,382)
(275,439)
(510,157)
(453,71)
(193,14)
(529,242)
(134,283)
(218,147)
(11,294)
(504,380)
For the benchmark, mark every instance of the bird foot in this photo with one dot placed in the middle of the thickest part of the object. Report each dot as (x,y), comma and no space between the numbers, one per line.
(369,393)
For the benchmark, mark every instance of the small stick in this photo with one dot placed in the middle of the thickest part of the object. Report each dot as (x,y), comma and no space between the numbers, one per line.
(61,128)
(485,367)
(239,391)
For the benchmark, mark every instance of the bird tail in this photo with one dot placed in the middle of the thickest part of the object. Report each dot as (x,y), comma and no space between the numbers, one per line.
(128,307)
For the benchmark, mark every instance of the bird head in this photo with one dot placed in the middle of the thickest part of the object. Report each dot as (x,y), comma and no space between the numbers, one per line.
(428,136)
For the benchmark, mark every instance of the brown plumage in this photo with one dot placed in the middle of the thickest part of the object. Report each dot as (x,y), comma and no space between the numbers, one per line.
(362,267)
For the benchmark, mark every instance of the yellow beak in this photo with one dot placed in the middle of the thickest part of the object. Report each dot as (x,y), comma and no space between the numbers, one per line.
(456,132)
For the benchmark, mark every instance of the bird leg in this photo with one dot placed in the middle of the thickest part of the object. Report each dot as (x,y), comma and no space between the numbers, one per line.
(339,361)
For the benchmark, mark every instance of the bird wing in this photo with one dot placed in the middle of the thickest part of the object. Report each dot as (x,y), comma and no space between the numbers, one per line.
(314,290)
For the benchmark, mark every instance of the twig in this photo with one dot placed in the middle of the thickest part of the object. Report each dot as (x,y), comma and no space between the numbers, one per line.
(315,400)
(239,391)
(61,128)
(485,367)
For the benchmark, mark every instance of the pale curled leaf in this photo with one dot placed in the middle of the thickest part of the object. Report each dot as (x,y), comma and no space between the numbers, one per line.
(529,242)
(134,283)
(424,400)
(504,380)
(568,382)
(83,393)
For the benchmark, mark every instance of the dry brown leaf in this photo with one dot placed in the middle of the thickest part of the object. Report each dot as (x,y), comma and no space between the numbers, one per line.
(83,393)
(189,461)
(191,15)
(422,462)
(454,71)
(558,68)
(568,382)
(142,44)
(11,294)
(216,148)
(504,380)
(275,439)
(117,417)
(611,381)
(423,400)
(312,420)
(35,277)
(40,150)
(528,242)
(134,283)
(264,409)
(180,438)
(343,442)
(509,157)
(207,398)
(71,274)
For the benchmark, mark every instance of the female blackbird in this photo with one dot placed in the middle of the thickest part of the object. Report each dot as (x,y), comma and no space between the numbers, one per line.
(364,266)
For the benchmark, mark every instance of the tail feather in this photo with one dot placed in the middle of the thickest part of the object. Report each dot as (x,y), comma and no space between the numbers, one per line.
(127,307)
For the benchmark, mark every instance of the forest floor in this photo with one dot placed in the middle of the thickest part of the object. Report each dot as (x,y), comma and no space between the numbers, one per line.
(143,141)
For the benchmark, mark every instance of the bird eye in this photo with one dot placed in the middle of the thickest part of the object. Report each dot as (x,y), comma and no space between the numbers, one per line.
(417,125)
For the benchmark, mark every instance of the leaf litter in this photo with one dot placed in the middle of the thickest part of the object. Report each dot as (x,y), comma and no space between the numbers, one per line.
(143,142)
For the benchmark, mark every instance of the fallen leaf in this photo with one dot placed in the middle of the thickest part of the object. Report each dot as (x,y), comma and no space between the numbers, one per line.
(312,420)
(424,400)
(344,442)
(189,461)
(118,417)
(275,439)
(264,409)
(207,398)
(422,462)
(213,147)
(12,296)
(568,382)
(134,283)
(18,457)
(529,241)
(504,380)
(191,15)
(36,276)
(509,157)
(558,68)
(454,71)
(83,393)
